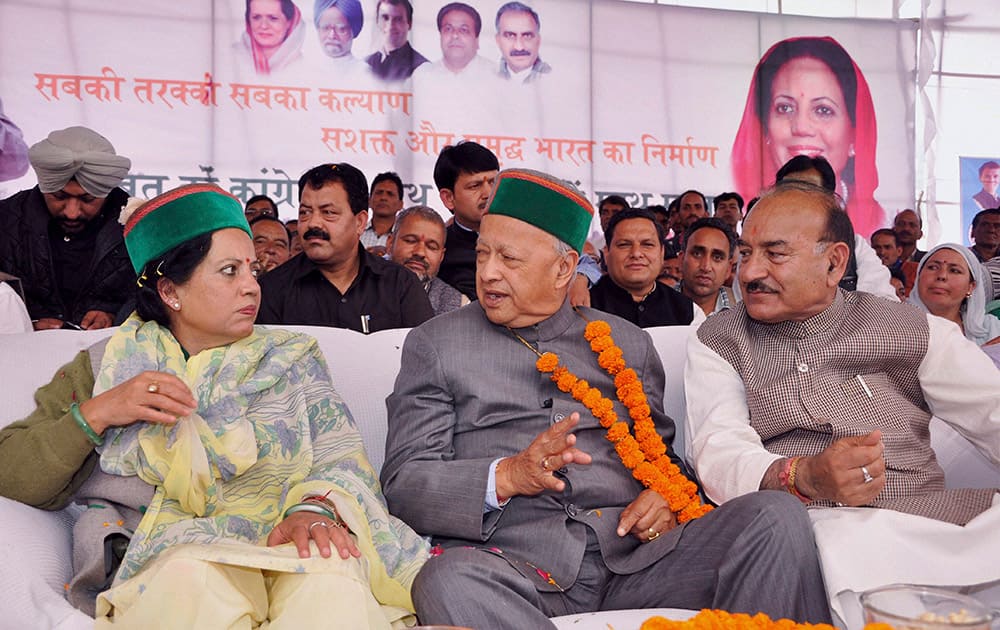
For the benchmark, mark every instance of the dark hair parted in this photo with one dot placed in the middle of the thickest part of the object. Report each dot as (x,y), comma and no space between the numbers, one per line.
(177,265)
(389,176)
(633,213)
(346,175)
(830,53)
(397,3)
(713,223)
(463,8)
(826,51)
(804,163)
(287,9)
(464,158)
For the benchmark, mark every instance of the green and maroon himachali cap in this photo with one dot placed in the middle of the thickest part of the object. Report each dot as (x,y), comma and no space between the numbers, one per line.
(549,204)
(177,216)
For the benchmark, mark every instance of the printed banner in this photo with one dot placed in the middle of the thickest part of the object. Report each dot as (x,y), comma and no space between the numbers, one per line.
(641,100)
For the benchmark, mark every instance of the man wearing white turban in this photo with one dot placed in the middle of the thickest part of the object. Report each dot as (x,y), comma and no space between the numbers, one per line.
(62,237)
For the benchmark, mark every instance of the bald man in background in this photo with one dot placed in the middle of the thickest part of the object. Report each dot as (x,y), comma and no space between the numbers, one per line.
(62,237)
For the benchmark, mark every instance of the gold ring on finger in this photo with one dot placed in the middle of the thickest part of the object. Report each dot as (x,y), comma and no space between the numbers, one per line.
(545,464)
(653,534)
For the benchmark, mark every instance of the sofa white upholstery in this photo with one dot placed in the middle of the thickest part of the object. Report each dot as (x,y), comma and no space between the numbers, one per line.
(36,544)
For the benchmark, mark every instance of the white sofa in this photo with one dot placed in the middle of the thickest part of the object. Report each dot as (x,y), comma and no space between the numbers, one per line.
(35,545)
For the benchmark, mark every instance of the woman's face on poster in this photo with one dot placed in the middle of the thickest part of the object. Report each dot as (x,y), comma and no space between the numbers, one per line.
(808,115)
(267,23)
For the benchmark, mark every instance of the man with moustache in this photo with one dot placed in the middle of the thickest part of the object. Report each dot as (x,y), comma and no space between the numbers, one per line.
(824,393)
(62,237)
(417,243)
(335,281)
(706,262)
(691,206)
(338,24)
(827,394)
(985,233)
(534,510)
(909,229)
(519,38)
(386,200)
(270,242)
(396,59)
(634,256)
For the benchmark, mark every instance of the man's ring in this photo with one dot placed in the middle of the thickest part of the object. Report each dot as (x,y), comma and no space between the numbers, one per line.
(868,476)
(315,523)
(545,464)
(653,534)
(153,387)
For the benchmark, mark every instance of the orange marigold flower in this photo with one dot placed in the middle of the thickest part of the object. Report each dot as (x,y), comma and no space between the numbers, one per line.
(625,377)
(580,389)
(596,328)
(608,419)
(617,432)
(599,344)
(603,406)
(547,362)
(566,382)
(653,447)
(611,360)
(591,398)
(638,412)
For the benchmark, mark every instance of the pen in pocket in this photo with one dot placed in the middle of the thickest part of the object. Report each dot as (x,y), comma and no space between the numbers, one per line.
(864,386)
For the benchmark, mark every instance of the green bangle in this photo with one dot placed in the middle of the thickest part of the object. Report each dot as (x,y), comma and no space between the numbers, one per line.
(86,428)
(305,507)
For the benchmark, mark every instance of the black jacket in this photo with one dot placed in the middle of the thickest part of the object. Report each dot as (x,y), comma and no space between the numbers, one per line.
(25,252)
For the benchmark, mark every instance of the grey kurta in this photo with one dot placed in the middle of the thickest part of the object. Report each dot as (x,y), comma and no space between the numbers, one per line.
(445,429)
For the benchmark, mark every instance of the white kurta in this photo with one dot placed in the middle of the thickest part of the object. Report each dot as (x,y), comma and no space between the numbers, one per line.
(861,548)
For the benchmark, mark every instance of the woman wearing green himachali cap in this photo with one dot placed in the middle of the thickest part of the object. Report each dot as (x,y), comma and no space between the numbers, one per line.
(226,458)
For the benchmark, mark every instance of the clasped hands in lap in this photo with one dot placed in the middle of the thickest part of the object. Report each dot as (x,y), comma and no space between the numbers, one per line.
(164,398)
(531,472)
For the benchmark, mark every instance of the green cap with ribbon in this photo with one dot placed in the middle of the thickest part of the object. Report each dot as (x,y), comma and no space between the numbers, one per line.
(165,221)
(548,203)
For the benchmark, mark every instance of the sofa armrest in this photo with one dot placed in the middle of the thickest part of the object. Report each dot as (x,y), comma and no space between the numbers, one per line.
(37,552)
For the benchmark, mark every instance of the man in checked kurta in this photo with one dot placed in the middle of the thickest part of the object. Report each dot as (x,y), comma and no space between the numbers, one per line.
(535,510)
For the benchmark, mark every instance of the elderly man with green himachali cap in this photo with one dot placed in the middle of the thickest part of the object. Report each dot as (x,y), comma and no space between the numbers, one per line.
(529,439)
(62,237)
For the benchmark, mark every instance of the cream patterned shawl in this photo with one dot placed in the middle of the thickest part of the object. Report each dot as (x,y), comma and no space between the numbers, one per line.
(269,429)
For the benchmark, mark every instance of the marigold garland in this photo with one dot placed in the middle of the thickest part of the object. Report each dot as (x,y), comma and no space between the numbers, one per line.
(722,620)
(645,454)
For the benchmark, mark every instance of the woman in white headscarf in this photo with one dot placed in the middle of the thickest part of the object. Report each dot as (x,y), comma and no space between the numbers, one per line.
(951,284)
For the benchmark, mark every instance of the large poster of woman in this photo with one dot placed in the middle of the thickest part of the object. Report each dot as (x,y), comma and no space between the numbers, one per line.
(808,97)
